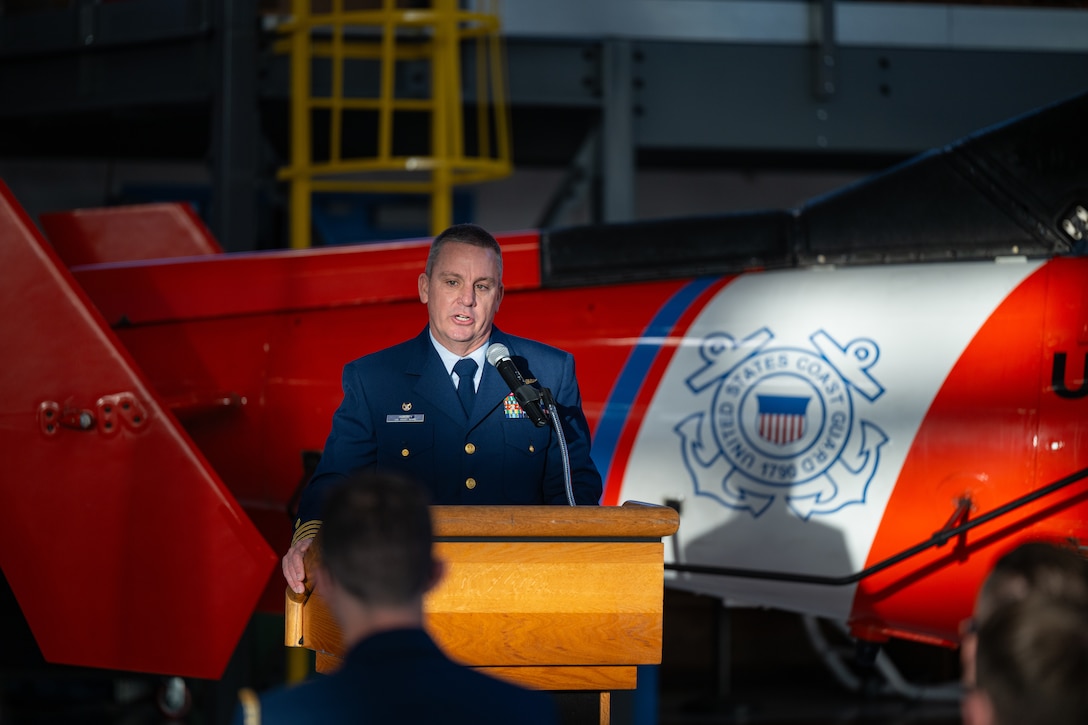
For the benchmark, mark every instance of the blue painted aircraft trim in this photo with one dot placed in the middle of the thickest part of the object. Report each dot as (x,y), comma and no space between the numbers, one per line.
(620,401)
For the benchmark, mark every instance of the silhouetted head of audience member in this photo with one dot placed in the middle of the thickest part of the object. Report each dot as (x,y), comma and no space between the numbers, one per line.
(1037,567)
(376,552)
(1031,664)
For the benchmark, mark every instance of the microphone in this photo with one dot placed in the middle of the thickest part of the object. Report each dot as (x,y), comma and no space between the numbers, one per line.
(528,396)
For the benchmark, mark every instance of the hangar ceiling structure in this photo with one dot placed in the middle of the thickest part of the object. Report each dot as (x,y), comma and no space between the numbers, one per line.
(601,88)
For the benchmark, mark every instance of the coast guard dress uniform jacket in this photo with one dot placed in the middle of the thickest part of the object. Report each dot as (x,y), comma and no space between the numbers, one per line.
(398,677)
(401,414)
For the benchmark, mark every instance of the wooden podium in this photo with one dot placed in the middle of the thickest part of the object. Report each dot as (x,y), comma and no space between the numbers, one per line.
(550,597)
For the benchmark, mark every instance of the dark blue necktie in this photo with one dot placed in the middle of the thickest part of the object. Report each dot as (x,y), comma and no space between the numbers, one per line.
(466,389)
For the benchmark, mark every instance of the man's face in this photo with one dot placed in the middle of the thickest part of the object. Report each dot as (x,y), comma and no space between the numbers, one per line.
(462,296)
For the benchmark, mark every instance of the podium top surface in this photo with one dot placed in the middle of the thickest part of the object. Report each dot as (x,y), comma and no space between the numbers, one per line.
(631,520)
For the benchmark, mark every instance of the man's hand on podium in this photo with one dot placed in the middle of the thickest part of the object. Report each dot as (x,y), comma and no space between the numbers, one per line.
(294,568)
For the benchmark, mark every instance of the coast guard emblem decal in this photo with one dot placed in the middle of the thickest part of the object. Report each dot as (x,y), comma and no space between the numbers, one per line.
(781,423)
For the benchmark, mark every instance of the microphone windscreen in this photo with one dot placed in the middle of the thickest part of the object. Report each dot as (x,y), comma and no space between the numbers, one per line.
(497,352)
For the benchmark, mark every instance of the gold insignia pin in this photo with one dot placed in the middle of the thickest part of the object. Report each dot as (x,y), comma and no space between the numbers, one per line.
(405,407)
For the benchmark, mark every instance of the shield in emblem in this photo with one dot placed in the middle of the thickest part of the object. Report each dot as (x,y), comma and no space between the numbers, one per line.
(782,418)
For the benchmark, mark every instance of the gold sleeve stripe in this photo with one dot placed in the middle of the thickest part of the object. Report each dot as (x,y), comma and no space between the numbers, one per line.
(251,706)
(306,530)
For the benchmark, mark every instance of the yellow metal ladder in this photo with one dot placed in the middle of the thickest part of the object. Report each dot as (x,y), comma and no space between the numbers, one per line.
(382,40)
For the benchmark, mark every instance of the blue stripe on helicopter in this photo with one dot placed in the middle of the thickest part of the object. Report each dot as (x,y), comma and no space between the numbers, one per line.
(618,406)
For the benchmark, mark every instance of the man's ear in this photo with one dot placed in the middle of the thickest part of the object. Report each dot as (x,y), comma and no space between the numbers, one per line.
(976,708)
(438,570)
(968,648)
(423,284)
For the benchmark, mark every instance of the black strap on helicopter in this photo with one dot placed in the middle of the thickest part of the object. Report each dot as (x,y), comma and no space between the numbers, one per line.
(938,539)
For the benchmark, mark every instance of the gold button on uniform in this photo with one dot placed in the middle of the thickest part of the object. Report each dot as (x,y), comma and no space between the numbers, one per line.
(404,453)
(470,448)
(470,484)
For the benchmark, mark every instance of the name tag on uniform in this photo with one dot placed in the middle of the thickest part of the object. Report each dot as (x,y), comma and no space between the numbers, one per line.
(414,418)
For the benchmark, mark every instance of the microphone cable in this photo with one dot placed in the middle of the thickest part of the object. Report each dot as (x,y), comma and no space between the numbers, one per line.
(553,415)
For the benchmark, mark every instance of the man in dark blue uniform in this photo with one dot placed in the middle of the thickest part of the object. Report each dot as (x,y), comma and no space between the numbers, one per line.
(376,565)
(433,408)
